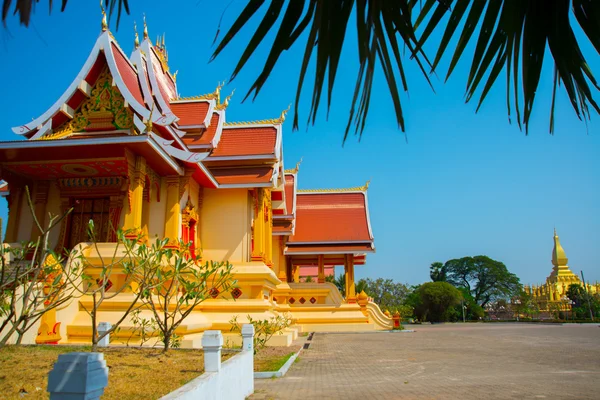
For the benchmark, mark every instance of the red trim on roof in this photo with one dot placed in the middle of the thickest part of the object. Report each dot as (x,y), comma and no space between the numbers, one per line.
(128,74)
(246,142)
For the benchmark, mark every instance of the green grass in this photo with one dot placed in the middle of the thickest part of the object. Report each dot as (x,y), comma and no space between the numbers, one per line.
(272,363)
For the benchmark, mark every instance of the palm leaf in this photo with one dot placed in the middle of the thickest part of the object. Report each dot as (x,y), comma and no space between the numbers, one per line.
(508,28)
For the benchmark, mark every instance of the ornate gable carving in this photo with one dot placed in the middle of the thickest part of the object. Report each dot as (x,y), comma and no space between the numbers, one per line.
(105,110)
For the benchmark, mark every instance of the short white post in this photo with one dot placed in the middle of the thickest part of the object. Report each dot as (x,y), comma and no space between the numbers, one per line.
(248,337)
(78,376)
(212,342)
(103,327)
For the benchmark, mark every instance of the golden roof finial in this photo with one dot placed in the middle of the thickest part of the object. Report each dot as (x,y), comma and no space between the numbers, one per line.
(136,41)
(555,231)
(145,28)
(225,103)
(175,76)
(294,170)
(163,41)
(217,92)
(283,114)
(366,187)
(104,21)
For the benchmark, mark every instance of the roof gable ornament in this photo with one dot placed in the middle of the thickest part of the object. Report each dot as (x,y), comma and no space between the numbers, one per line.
(225,103)
(136,41)
(104,21)
(342,190)
(145,28)
(294,170)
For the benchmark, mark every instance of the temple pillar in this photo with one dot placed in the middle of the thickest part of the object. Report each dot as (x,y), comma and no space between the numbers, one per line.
(173,211)
(15,203)
(349,274)
(321,275)
(39,200)
(296,273)
(137,181)
(258,249)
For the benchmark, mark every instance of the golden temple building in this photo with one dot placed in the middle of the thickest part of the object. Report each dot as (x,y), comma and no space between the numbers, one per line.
(124,149)
(553,293)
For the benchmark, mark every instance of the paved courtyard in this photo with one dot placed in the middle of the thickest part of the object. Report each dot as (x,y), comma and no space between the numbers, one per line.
(450,361)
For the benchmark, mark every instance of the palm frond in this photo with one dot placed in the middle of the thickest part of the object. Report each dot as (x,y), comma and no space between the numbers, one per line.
(25,8)
(514,36)
(382,27)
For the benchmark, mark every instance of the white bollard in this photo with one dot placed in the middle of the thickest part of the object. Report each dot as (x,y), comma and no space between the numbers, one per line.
(248,337)
(103,327)
(78,376)
(212,342)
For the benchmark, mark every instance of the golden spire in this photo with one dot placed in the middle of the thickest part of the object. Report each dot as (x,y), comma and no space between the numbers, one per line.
(559,258)
(367,185)
(225,103)
(145,28)
(104,22)
(136,41)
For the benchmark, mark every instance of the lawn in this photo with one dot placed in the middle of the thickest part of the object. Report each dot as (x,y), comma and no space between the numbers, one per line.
(134,373)
(273,358)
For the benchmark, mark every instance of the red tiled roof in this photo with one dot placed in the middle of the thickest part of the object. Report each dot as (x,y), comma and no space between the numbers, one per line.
(331,217)
(242,175)
(129,76)
(334,248)
(290,193)
(190,114)
(246,142)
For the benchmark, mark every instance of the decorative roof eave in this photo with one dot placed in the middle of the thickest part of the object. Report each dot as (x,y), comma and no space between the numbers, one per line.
(170,117)
(103,43)
(74,86)
(219,131)
(47,144)
(138,59)
(274,122)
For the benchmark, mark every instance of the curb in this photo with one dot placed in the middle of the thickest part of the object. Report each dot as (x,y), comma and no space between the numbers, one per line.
(284,369)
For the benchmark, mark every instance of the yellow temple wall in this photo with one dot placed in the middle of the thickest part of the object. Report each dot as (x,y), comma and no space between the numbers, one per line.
(158,210)
(278,257)
(224,226)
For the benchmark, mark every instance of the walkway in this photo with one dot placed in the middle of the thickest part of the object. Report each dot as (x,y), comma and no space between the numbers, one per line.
(451,361)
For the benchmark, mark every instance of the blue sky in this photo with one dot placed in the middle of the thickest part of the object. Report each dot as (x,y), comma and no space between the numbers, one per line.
(457,184)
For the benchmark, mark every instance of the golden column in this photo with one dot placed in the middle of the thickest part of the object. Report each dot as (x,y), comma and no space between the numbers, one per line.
(268,227)
(349,270)
(172,223)
(137,181)
(321,278)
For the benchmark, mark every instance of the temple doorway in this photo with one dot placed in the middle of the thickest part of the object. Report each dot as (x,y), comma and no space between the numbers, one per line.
(84,210)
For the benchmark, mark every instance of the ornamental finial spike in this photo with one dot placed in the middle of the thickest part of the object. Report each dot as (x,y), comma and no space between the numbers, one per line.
(104,21)
(366,187)
(225,103)
(298,165)
(283,114)
(554,231)
(217,92)
(145,28)
(136,41)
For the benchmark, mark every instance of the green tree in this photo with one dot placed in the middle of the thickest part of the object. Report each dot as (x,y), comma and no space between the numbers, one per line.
(510,36)
(389,295)
(438,300)
(437,272)
(473,311)
(486,279)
